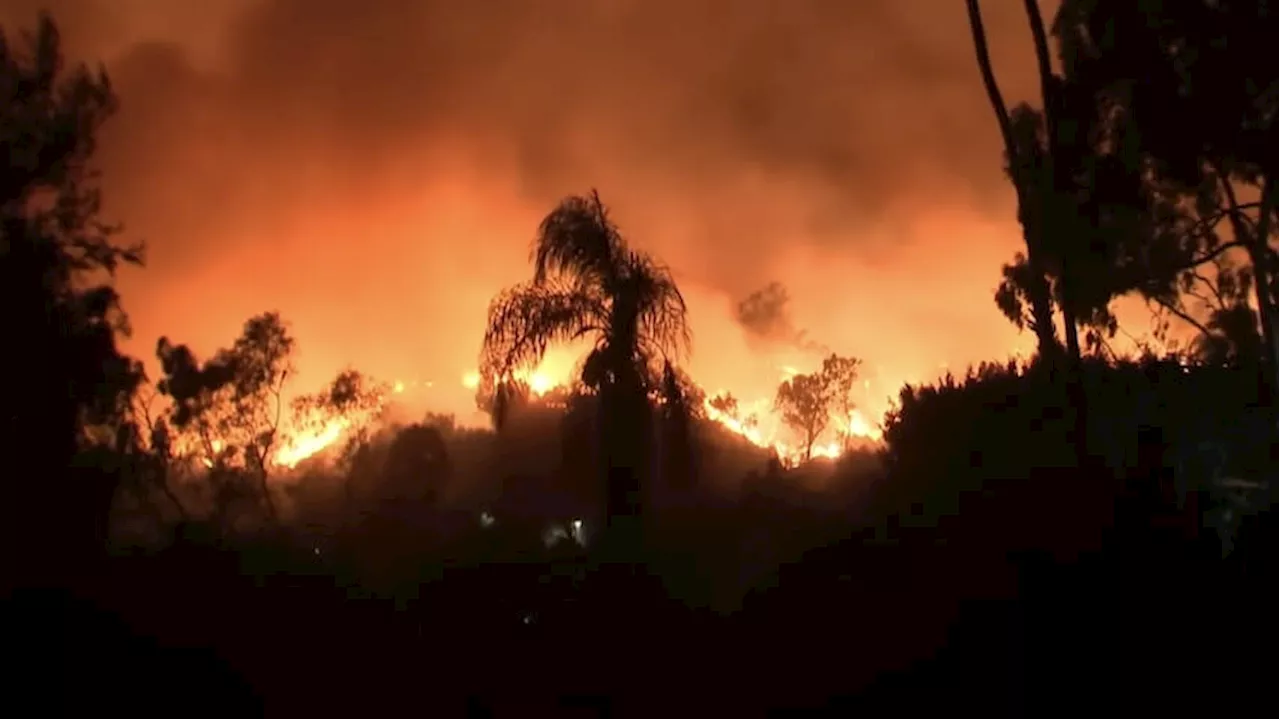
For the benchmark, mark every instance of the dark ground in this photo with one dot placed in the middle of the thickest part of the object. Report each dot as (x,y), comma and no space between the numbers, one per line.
(1144,622)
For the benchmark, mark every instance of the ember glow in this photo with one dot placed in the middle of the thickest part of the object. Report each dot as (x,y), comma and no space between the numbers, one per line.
(757,421)
(311,443)
(764,429)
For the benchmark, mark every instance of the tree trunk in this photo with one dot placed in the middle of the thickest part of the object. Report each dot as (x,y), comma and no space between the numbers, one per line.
(624,437)
(162,478)
(264,486)
(1073,377)
(1041,307)
(1062,221)
(1039,294)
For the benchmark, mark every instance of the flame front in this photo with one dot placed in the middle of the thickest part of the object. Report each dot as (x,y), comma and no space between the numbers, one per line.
(765,434)
(764,429)
(546,377)
(311,443)
(758,423)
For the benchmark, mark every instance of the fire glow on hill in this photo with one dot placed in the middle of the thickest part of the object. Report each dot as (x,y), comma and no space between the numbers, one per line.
(756,421)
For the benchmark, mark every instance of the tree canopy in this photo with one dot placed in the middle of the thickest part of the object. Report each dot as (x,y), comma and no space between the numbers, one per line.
(62,314)
(808,401)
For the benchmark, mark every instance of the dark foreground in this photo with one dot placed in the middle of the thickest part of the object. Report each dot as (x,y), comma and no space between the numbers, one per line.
(1144,622)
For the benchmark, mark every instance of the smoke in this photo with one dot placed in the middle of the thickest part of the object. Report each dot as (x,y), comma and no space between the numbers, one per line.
(765,316)
(374,170)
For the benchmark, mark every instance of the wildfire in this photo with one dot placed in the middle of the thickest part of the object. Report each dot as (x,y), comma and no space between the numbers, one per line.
(858,426)
(311,443)
(763,430)
(539,381)
(756,421)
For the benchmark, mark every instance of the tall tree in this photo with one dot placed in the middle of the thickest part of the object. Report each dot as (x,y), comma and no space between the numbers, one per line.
(805,408)
(808,401)
(1078,199)
(841,373)
(1026,280)
(233,404)
(1207,63)
(417,464)
(57,258)
(589,284)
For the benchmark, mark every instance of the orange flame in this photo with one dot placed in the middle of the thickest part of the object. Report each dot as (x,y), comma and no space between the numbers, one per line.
(552,372)
(311,443)
(765,432)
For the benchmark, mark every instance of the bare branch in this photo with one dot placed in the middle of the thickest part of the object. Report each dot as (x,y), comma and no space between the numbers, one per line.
(1212,255)
(1213,288)
(1182,315)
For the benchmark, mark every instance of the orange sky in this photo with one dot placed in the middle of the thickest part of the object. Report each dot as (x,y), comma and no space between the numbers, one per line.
(375,170)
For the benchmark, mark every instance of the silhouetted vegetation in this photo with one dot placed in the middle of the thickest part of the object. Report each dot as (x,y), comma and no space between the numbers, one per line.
(208,530)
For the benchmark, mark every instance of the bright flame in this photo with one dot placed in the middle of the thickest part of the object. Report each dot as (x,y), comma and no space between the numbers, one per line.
(753,432)
(858,426)
(307,445)
(756,422)
(767,434)
(553,372)
(216,446)
(540,384)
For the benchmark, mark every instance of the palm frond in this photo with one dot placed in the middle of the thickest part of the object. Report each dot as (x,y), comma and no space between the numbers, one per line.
(578,240)
(661,309)
(527,318)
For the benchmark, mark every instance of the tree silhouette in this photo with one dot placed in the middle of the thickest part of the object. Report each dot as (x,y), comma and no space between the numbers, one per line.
(1026,280)
(805,407)
(842,372)
(417,464)
(352,399)
(807,401)
(1209,65)
(727,406)
(150,452)
(1229,337)
(1080,202)
(725,403)
(57,259)
(233,405)
(680,401)
(501,399)
(589,284)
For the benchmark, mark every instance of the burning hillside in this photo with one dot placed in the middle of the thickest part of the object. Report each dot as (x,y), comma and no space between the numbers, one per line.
(757,420)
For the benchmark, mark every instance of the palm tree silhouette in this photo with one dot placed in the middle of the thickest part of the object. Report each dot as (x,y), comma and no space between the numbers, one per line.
(588,284)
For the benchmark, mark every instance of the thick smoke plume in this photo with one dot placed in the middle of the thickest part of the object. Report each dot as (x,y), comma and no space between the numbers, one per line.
(374,170)
(765,316)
